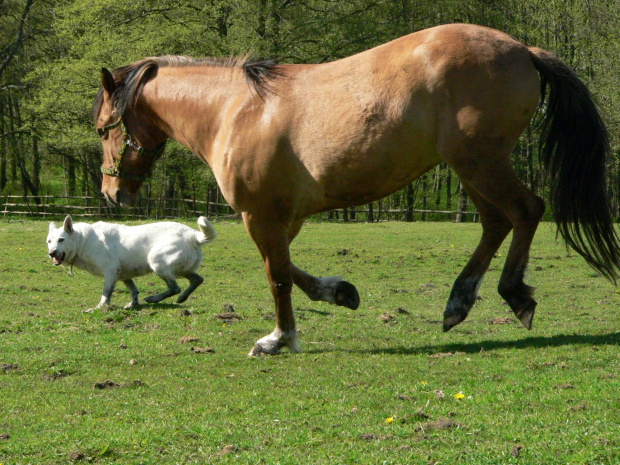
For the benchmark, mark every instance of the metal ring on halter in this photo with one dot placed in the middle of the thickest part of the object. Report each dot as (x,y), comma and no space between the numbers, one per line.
(128,141)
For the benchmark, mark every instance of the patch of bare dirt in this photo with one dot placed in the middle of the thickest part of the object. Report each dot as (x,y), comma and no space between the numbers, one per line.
(186,339)
(5,437)
(229,449)
(386,317)
(77,455)
(445,354)
(440,423)
(59,374)
(564,386)
(202,350)
(229,317)
(9,367)
(375,437)
(516,450)
(107,384)
(503,321)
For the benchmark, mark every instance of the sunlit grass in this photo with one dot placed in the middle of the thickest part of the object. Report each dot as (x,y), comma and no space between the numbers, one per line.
(366,389)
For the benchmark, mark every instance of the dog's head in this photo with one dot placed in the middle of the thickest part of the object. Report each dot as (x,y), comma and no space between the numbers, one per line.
(61,241)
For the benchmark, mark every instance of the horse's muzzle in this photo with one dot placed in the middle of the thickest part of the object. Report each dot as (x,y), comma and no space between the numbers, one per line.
(121,198)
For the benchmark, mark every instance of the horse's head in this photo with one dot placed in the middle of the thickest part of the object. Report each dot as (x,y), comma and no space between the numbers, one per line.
(131,142)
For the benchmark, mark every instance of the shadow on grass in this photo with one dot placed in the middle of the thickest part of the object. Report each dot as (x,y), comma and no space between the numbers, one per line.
(490,345)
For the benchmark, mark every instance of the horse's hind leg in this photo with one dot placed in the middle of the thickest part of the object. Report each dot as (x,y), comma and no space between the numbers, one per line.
(495,228)
(524,210)
(195,280)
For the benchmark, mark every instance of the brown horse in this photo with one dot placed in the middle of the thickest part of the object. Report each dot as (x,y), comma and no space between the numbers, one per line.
(289,141)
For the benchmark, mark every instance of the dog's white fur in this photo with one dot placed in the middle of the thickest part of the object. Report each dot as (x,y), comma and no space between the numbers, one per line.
(115,251)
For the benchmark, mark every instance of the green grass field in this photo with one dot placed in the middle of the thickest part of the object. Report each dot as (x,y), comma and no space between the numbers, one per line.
(170,384)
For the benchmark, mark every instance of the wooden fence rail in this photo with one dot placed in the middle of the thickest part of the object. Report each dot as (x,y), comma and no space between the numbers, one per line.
(43,206)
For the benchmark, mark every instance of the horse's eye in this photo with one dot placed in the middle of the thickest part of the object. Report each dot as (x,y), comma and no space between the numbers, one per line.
(101,132)
(60,239)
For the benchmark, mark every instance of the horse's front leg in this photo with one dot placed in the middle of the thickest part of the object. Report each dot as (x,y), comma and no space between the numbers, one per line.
(330,289)
(272,242)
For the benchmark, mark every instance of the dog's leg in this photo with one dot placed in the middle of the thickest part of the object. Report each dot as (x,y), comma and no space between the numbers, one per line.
(195,280)
(173,289)
(133,291)
(106,295)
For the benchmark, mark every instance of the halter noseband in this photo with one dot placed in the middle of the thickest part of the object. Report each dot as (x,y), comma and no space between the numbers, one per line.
(128,141)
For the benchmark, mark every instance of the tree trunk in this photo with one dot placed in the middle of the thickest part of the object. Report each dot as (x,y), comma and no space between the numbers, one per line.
(424,197)
(371,213)
(449,189)
(409,203)
(3,151)
(70,176)
(36,158)
(461,216)
(438,187)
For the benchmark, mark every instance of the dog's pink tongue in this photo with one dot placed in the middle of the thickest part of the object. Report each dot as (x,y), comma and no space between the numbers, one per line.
(56,261)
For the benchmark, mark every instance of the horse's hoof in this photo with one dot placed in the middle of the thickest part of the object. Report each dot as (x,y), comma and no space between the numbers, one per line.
(527,315)
(346,295)
(258,351)
(451,320)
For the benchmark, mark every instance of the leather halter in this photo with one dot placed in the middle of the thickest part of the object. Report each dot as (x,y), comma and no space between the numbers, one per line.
(128,141)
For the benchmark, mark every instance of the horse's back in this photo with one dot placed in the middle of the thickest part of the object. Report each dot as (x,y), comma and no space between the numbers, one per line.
(387,115)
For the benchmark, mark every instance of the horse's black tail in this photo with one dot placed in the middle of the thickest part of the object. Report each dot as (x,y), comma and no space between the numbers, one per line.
(574,148)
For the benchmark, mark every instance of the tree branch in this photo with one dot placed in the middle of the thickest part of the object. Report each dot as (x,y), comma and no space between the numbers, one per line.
(19,37)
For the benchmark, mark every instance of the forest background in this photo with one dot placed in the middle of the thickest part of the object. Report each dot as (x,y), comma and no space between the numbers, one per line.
(52,51)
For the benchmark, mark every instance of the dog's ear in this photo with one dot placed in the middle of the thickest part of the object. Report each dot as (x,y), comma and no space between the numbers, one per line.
(52,226)
(68,224)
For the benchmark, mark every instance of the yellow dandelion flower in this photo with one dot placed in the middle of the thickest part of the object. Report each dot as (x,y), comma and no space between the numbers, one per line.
(459,395)
(389,420)
(424,383)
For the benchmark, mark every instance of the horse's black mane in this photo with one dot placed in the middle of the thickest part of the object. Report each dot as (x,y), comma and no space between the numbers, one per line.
(130,79)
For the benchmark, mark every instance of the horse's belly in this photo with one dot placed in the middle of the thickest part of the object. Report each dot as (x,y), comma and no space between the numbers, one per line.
(361,179)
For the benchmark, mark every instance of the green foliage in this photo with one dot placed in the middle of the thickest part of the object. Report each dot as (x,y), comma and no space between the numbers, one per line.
(125,387)
(54,74)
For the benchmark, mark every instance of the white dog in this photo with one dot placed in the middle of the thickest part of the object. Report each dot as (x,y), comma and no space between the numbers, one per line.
(122,252)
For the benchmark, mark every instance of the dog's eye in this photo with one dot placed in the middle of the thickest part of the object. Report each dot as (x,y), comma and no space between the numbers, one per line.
(60,239)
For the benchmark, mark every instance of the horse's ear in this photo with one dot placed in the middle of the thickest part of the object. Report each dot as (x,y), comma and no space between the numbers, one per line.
(107,81)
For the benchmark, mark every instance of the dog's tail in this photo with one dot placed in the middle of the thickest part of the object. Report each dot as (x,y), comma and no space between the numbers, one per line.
(207,233)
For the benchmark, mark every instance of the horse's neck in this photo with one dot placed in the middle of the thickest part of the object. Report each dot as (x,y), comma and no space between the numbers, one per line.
(190,103)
